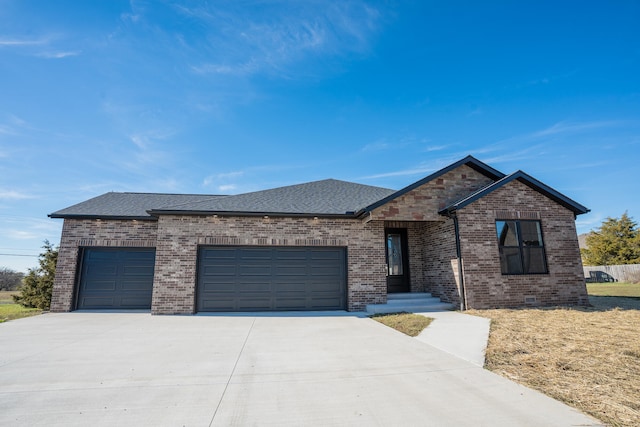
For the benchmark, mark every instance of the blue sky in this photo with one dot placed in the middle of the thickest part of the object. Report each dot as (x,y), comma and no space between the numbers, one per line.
(225,97)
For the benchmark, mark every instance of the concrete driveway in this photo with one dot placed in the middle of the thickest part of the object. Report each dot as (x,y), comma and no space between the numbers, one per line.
(134,369)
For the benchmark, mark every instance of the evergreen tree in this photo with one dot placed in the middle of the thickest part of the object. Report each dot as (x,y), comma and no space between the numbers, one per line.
(37,285)
(617,241)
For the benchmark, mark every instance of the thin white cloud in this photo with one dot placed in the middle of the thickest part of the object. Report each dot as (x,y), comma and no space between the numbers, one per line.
(22,234)
(573,127)
(13,195)
(58,55)
(529,152)
(243,43)
(436,148)
(404,172)
(23,42)
(144,140)
(7,130)
(211,179)
(376,146)
(228,187)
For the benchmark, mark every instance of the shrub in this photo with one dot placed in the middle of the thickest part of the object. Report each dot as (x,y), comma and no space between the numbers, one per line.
(37,285)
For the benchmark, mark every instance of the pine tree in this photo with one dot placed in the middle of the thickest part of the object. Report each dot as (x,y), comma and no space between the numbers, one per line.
(37,285)
(617,241)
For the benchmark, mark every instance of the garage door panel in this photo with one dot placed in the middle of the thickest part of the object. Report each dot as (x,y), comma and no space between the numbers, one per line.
(133,302)
(325,270)
(292,255)
(247,288)
(219,304)
(254,270)
(220,253)
(293,286)
(254,304)
(116,278)
(98,303)
(271,278)
(94,268)
(254,254)
(291,270)
(100,285)
(135,285)
(210,287)
(219,270)
(284,304)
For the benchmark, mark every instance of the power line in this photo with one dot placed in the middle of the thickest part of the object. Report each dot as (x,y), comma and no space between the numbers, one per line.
(36,256)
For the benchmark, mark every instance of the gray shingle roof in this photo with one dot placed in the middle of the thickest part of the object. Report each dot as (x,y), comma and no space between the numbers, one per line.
(326,197)
(317,198)
(126,205)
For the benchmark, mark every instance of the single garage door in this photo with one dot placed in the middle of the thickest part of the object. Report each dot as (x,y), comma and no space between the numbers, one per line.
(271,278)
(116,278)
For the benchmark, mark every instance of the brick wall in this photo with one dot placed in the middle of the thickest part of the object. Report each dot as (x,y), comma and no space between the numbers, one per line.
(93,233)
(180,236)
(441,261)
(486,286)
(424,202)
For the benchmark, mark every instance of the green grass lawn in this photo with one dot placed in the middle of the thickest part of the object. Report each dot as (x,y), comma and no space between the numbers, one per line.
(615,289)
(11,311)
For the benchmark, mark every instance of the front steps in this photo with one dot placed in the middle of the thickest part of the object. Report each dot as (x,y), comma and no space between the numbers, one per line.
(414,302)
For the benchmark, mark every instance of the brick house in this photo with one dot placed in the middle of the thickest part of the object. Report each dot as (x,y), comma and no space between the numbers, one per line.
(468,234)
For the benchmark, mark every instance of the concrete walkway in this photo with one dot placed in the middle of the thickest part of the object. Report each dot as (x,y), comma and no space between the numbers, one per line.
(461,335)
(126,369)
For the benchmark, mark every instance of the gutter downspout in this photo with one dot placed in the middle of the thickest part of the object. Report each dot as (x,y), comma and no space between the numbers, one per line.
(463,294)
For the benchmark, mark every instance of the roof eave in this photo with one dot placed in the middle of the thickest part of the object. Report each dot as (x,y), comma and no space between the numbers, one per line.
(105,217)
(158,212)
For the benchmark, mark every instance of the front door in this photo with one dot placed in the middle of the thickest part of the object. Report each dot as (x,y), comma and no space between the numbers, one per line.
(397,260)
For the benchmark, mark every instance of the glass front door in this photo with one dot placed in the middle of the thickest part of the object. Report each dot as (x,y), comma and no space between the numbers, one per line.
(397,261)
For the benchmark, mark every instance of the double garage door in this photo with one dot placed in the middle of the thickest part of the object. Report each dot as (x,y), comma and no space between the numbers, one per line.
(271,278)
(229,278)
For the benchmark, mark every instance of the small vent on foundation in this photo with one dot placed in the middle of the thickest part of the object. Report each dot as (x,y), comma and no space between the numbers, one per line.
(530,300)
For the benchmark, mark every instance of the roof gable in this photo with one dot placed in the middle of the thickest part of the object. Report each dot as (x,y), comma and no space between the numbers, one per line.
(529,181)
(470,161)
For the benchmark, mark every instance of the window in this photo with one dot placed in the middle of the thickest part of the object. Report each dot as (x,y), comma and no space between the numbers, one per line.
(394,254)
(521,247)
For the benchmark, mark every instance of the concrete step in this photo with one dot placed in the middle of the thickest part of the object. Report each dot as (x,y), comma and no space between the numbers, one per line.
(416,302)
(408,295)
(386,308)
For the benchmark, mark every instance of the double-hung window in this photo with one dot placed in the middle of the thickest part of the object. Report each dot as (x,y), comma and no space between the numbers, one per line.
(521,247)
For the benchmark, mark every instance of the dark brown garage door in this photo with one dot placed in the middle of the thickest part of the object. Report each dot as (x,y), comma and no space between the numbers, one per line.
(116,278)
(271,278)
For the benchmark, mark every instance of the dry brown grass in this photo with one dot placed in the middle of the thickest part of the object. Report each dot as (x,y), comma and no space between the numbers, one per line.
(407,323)
(588,358)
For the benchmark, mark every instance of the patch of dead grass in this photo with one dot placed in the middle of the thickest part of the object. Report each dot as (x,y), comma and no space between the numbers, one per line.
(407,323)
(588,358)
